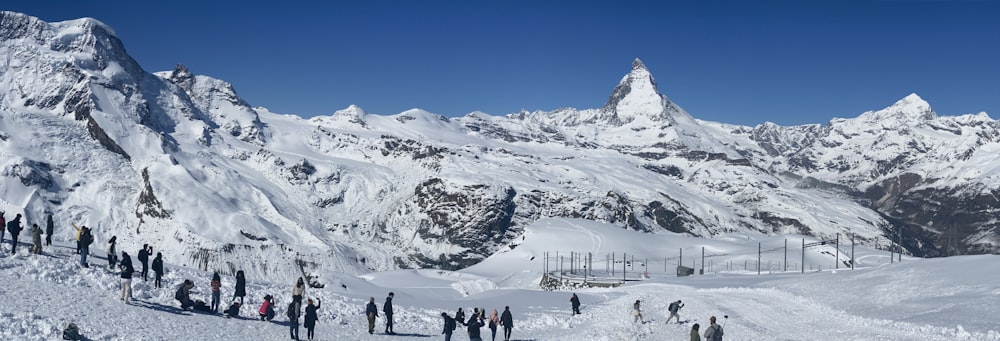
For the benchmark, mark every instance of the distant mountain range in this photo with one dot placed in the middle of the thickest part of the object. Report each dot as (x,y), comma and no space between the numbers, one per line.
(180,161)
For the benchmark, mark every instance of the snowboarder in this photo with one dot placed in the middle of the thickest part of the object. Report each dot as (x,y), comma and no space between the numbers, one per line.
(575,301)
(387,310)
(311,317)
(473,327)
(694,333)
(144,259)
(112,257)
(449,326)
(371,310)
(714,331)
(494,321)
(158,270)
(460,316)
(49,227)
(183,295)
(507,321)
(298,291)
(637,313)
(126,277)
(216,285)
(241,283)
(673,308)
(293,320)
(86,238)
(36,239)
(14,227)
(266,310)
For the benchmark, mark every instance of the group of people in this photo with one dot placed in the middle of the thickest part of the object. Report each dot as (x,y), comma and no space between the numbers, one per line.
(127,271)
(477,321)
(14,227)
(712,333)
(293,311)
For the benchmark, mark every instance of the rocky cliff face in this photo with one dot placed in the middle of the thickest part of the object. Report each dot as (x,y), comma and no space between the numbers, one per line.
(182,162)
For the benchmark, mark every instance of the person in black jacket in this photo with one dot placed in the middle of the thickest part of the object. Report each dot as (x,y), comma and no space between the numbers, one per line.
(86,238)
(241,285)
(387,309)
(372,312)
(472,327)
(460,316)
(48,230)
(293,320)
(158,270)
(144,260)
(449,326)
(126,275)
(311,317)
(576,304)
(112,257)
(507,321)
(14,227)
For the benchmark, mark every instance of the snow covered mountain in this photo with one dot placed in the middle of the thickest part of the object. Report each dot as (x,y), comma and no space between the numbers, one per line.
(180,161)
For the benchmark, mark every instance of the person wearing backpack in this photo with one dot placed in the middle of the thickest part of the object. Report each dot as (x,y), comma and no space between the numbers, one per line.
(473,325)
(575,301)
(86,238)
(158,270)
(126,277)
(14,227)
(714,331)
(673,308)
(507,321)
(183,294)
(449,326)
(293,320)
(144,260)
(311,317)
(372,311)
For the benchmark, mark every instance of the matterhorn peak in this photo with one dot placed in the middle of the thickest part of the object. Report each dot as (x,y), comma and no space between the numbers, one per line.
(636,96)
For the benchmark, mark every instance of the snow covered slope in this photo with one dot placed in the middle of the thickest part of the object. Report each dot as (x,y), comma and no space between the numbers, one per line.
(180,161)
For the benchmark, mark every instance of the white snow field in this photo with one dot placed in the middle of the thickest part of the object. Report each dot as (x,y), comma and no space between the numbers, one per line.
(955,298)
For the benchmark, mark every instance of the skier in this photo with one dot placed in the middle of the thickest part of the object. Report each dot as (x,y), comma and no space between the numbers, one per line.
(36,239)
(636,312)
(494,321)
(298,291)
(158,270)
(507,321)
(241,285)
(694,333)
(311,317)
(371,310)
(387,310)
(575,301)
(48,230)
(216,285)
(473,327)
(460,316)
(85,239)
(673,308)
(126,275)
(714,331)
(144,260)
(449,326)
(266,310)
(293,320)
(112,257)
(184,295)
(14,227)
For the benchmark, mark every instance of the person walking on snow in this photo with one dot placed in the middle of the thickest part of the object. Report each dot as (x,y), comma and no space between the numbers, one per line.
(126,277)
(673,308)
(494,322)
(144,260)
(371,310)
(158,270)
(14,227)
(637,313)
(86,238)
(48,230)
(714,331)
(575,301)
(311,317)
(449,326)
(241,284)
(112,257)
(387,310)
(36,239)
(216,285)
(507,321)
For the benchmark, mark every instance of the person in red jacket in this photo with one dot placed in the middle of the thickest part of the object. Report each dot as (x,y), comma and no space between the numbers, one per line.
(267,308)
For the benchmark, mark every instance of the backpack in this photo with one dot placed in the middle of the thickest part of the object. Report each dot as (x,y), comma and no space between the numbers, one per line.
(673,307)
(180,293)
(71,332)
(291,311)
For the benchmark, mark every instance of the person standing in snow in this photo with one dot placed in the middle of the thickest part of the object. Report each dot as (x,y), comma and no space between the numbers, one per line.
(241,284)
(14,227)
(79,232)
(673,308)
(48,230)
(158,270)
(36,239)
(714,331)
(694,333)
(460,316)
(112,257)
(298,291)
(387,310)
(473,326)
(449,326)
(637,313)
(126,277)
(371,310)
(575,301)
(216,285)
(311,317)
(494,321)
(293,320)
(144,260)
(3,225)
(86,238)
(507,321)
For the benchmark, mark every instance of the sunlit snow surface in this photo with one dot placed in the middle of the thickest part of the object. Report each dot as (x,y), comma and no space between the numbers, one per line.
(955,298)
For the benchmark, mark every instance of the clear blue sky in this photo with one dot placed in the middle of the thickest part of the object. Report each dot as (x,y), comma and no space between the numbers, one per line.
(743,62)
